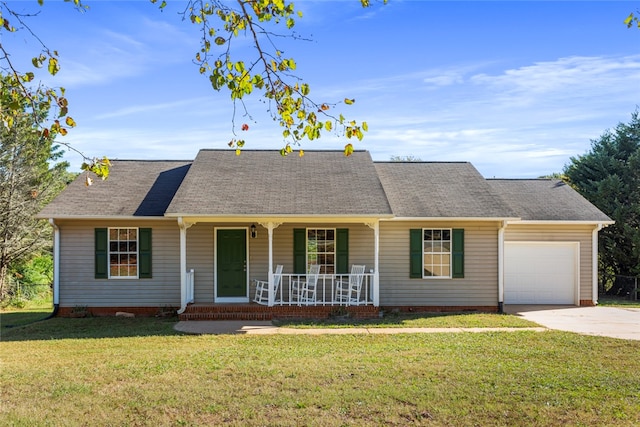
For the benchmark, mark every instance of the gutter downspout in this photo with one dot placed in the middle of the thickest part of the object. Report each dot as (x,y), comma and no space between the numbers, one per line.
(56,267)
(501,267)
(183,265)
(594,264)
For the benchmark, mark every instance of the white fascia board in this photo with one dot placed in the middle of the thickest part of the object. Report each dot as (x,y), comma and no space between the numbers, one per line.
(105,218)
(560,222)
(450,219)
(280,218)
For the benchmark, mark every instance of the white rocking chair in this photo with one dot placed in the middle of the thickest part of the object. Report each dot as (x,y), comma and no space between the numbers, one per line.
(304,291)
(348,291)
(262,287)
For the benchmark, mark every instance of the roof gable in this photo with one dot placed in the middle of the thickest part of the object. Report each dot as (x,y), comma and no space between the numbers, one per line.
(264,183)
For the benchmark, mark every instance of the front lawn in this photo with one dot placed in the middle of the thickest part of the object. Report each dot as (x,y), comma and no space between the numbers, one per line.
(418,320)
(119,371)
(610,301)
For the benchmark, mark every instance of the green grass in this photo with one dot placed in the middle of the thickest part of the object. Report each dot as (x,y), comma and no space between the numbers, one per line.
(33,312)
(119,371)
(618,302)
(418,320)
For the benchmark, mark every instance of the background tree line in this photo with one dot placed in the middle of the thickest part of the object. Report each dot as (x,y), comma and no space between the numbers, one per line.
(30,176)
(609,177)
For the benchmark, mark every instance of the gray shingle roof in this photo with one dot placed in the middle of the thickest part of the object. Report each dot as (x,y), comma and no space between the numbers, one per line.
(440,190)
(258,182)
(134,188)
(322,183)
(546,200)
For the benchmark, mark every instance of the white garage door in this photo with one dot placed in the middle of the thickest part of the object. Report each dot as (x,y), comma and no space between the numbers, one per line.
(541,272)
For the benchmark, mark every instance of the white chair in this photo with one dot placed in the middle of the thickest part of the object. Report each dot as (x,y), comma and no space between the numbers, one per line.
(348,291)
(262,287)
(304,290)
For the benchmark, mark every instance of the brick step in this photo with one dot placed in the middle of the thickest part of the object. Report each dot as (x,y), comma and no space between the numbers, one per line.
(260,312)
(226,316)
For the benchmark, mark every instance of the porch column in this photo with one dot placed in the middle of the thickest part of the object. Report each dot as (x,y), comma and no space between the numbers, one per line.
(183,225)
(375,288)
(270,226)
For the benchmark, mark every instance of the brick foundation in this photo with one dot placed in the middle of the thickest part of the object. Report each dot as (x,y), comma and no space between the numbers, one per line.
(109,311)
(440,309)
(586,303)
(261,312)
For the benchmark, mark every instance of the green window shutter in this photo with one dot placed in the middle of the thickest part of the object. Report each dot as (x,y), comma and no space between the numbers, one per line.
(457,252)
(342,251)
(144,253)
(299,251)
(101,253)
(415,253)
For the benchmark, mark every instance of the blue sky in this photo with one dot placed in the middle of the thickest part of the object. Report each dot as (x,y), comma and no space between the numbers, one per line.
(515,87)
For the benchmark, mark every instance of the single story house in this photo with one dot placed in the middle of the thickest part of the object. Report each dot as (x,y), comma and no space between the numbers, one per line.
(208,232)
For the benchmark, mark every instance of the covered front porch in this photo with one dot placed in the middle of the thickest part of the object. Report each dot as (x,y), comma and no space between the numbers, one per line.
(299,263)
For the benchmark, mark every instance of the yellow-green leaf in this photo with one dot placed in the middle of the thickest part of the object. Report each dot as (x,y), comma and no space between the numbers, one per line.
(70,122)
(328,125)
(365,127)
(53,66)
(348,150)
(349,101)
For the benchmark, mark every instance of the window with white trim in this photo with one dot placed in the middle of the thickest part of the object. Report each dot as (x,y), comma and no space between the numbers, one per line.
(321,249)
(123,253)
(436,247)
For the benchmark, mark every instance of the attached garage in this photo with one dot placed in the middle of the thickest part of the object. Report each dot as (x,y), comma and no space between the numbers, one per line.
(541,273)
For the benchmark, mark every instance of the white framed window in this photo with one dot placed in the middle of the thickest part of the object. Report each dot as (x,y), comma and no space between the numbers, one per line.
(123,253)
(321,249)
(436,253)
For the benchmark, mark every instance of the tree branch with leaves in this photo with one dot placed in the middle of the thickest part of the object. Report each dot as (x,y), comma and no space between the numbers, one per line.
(18,97)
(287,96)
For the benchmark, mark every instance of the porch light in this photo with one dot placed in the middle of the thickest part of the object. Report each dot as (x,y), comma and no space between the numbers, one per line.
(254,232)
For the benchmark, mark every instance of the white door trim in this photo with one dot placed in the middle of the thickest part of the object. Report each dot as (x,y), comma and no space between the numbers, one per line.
(215,267)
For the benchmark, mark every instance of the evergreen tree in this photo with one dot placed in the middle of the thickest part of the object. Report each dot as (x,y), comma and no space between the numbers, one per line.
(609,177)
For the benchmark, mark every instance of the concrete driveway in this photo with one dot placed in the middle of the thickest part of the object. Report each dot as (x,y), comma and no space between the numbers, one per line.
(603,321)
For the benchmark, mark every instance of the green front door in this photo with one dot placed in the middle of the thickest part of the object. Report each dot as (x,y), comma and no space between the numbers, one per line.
(231,264)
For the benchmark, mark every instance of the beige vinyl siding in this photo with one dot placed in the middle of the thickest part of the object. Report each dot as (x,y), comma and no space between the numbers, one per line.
(200,252)
(479,287)
(560,233)
(79,287)
(200,259)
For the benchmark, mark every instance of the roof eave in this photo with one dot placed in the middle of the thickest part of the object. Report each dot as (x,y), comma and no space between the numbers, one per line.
(280,218)
(103,217)
(441,218)
(562,222)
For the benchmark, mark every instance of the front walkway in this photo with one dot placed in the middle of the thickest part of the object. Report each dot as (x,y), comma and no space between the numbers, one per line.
(218,327)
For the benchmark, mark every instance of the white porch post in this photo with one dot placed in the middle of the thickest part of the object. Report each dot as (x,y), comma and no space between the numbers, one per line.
(375,288)
(56,262)
(270,226)
(183,225)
